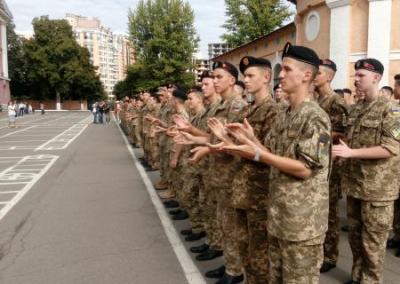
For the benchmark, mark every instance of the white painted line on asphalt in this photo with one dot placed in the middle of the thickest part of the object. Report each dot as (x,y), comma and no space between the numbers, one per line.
(32,179)
(22,130)
(190,269)
(8,192)
(60,142)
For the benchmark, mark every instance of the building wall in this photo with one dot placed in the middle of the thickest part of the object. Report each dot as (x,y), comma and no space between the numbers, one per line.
(313,26)
(269,47)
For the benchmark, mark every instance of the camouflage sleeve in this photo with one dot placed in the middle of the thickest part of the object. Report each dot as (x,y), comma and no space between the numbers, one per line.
(270,119)
(313,148)
(338,116)
(391,132)
(237,111)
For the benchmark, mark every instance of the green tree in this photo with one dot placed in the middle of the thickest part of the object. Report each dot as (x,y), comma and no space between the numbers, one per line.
(58,67)
(250,19)
(165,38)
(16,63)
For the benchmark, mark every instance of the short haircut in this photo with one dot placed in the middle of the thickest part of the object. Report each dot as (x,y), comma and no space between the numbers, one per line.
(314,69)
(347,91)
(387,88)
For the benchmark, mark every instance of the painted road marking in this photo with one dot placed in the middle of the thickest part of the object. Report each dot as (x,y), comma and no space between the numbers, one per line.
(192,273)
(15,175)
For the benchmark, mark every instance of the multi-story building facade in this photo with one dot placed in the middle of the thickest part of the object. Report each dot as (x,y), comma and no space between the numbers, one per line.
(216,49)
(5,17)
(111,53)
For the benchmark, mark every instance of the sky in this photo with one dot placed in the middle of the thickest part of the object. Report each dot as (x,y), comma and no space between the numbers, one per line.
(210,15)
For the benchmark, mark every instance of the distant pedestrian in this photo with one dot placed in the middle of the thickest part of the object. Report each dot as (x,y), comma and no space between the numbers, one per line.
(94,111)
(107,109)
(11,114)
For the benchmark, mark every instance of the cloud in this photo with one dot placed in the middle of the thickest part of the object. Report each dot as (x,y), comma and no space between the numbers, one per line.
(210,14)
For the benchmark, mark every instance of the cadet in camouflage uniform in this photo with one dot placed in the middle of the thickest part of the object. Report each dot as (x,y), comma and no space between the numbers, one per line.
(139,126)
(298,150)
(251,183)
(191,174)
(146,125)
(335,106)
(165,110)
(222,170)
(280,97)
(207,198)
(154,154)
(370,174)
(175,154)
(395,241)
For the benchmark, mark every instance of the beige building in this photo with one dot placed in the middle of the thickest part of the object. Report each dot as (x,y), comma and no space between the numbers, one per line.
(111,53)
(5,18)
(342,30)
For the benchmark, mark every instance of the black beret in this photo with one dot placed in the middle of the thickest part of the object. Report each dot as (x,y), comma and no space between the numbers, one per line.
(178,93)
(206,74)
(227,67)
(328,63)
(370,64)
(397,77)
(241,84)
(277,86)
(301,53)
(249,61)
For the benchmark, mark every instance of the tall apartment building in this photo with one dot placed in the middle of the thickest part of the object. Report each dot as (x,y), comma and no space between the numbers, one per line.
(216,49)
(111,53)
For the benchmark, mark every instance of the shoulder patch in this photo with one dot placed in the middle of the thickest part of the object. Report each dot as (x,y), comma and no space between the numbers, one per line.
(395,132)
(235,107)
(395,111)
(322,149)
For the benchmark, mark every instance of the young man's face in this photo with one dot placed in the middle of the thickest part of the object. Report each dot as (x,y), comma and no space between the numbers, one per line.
(396,91)
(255,79)
(279,93)
(291,76)
(222,80)
(194,101)
(207,87)
(365,80)
(324,76)
(146,96)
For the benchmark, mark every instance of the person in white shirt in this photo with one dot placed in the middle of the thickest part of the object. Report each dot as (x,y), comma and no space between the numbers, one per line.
(11,114)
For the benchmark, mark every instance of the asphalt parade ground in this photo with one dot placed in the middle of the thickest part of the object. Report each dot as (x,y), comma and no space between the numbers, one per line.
(77,207)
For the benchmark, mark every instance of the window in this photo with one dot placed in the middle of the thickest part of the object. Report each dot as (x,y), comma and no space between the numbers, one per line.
(312,25)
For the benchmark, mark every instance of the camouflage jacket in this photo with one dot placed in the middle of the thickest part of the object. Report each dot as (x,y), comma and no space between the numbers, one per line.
(335,106)
(204,165)
(222,166)
(282,105)
(190,168)
(372,124)
(251,182)
(164,115)
(298,208)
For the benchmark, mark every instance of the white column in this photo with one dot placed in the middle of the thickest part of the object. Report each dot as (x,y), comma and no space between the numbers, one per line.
(4,47)
(379,27)
(340,40)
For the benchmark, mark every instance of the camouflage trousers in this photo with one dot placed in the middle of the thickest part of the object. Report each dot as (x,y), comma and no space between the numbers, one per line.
(226,216)
(295,262)
(208,202)
(251,226)
(132,133)
(190,201)
(331,244)
(396,220)
(138,137)
(369,225)
(164,163)
(154,152)
(177,179)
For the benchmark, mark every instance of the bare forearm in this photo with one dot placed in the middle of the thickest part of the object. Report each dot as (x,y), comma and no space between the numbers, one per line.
(286,165)
(371,153)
